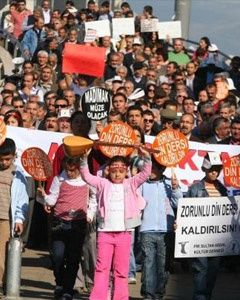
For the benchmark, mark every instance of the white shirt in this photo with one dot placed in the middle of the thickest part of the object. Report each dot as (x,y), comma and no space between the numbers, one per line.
(114,216)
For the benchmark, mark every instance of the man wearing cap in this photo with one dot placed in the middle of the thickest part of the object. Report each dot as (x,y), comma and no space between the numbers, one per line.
(205,269)
(138,79)
(168,118)
(63,120)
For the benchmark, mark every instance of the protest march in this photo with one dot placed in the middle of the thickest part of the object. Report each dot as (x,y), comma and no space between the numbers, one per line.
(119,150)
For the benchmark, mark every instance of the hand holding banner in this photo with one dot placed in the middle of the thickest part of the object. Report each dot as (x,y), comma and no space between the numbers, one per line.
(83,59)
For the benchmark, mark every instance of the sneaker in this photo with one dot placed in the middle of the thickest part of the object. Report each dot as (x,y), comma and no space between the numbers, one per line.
(132,280)
(67,297)
(58,291)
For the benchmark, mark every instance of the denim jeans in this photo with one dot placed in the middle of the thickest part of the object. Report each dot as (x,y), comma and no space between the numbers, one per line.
(205,271)
(66,252)
(154,275)
(132,263)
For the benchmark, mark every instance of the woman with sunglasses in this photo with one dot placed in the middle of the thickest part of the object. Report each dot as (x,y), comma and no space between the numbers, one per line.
(150,92)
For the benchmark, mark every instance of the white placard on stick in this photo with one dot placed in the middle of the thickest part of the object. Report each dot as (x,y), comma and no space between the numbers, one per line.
(102,27)
(123,26)
(149,25)
(208,227)
(169,29)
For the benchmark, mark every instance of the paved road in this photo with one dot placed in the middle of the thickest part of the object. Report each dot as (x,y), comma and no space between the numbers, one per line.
(38,282)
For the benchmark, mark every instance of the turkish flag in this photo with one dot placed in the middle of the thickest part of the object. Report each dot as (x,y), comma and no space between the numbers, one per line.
(83,59)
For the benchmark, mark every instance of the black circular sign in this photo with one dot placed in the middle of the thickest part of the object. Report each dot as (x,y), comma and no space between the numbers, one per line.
(96,103)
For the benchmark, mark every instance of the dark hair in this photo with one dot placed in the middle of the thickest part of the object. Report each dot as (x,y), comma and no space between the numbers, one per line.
(134,107)
(119,94)
(206,40)
(69,161)
(235,120)
(140,130)
(15,114)
(118,158)
(8,147)
(125,4)
(80,124)
(148,9)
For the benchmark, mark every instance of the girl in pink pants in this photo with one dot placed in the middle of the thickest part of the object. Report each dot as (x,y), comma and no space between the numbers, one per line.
(118,211)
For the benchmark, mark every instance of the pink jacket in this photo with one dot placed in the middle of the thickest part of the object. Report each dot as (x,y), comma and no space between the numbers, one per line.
(133,202)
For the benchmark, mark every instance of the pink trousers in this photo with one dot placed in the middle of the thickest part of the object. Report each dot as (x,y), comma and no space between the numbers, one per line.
(113,253)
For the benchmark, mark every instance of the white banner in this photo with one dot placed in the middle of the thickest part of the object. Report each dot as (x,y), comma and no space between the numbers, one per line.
(102,27)
(123,26)
(208,227)
(169,29)
(187,172)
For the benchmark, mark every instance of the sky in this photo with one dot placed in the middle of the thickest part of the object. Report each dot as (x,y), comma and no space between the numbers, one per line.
(217,19)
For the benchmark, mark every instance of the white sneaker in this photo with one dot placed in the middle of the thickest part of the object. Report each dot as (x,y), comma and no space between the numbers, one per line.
(132,280)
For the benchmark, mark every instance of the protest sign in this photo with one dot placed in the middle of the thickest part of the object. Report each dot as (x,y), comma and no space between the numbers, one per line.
(169,29)
(231,171)
(83,59)
(95,103)
(117,132)
(90,35)
(3,131)
(36,162)
(173,147)
(123,26)
(208,227)
(102,27)
(149,25)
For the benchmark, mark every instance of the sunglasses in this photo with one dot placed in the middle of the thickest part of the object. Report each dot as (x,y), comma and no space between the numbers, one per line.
(19,106)
(148,121)
(151,90)
(60,105)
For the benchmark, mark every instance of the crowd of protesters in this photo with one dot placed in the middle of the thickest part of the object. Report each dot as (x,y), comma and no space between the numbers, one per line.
(155,85)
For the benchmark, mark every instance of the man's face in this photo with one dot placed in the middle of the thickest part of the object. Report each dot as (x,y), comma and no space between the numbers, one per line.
(45,5)
(170,69)
(28,81)
(91,7)
(119,104)
(27,120)
(18,105)
(223,130)
(212,93)
(41,113)
(51,124)
(40,23)
(186,125)
(73,36)
(235,131)
(178,46)
(135,118)
(42,59)
(129,88)
(188,106)
(21,6)
(59,104)
(28,68)
(46,74)
(6,161)
(129,43)
(152,62)
(225,112)
(151,75)
(191,69)
(203,96)
(148,122)
(114,61)
(32,109)
(70,96)
(64,125)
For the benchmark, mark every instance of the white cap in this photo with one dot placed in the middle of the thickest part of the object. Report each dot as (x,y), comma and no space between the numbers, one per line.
(231,85)
(64,113)
(137,94)
(214,160)
(213,48)
(137,41)
(116,79)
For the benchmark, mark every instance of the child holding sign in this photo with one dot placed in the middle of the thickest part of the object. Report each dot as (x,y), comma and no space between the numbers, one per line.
(118,212)
(205,269)
(69,196)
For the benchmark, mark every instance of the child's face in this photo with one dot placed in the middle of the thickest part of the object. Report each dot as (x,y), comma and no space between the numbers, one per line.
(212,174)
(72,171)
(6,161)
(117,172)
